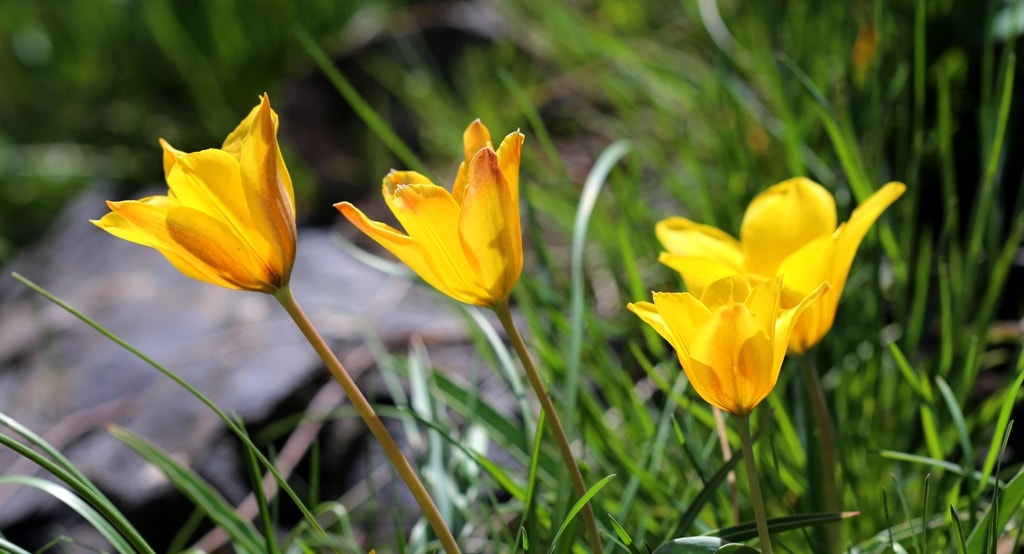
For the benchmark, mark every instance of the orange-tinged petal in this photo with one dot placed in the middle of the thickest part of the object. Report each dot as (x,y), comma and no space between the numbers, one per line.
(731,363)
(217,246)
(474,138)
(782,219)
(430,217)
(697,272)
(268,191)
(683,237)
(410,252)
(509,153)
(489,228)
(145,222)
(788,333)
(171,155)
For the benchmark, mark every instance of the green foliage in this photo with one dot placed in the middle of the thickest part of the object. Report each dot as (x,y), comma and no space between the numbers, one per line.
(717,102)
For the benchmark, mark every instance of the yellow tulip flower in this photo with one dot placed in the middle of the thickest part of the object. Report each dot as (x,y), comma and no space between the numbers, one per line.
(731,341)
(789,229)
(229,214)
(467,243)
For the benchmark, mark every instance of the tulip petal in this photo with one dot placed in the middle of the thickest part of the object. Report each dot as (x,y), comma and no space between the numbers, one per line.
(268,191)
(723,292)
(475,137)
(144,222)
(215,244)
(799,328)
(489,228)
(683,315)
(410,252)
(697,272)
(851,233)
(683,237)
(782,219)
(171,156)
(509,154)
(731,360)
(429,216)
(649,313)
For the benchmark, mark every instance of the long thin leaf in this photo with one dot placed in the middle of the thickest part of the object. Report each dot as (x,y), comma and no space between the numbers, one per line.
(189,483)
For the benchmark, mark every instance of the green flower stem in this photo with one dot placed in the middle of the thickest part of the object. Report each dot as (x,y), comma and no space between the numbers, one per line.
(387,442)
(755,485)
(827,445)
(589,521)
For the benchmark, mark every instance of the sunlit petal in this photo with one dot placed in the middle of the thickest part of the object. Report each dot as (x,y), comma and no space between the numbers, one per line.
(489,227)
(782,219)
(697,272)
(474,138)
(683,237)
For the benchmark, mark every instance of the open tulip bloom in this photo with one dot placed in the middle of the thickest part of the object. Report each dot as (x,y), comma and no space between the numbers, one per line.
(732,340)
(789,229)
(229,215)
(466,243)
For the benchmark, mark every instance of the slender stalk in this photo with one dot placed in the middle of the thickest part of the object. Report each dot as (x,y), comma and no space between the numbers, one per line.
(755,485)
(387,442)
(589,521)
(827,447)
(723,443)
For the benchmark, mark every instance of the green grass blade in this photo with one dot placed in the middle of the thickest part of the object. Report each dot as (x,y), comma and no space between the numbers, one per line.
(94,518)
(577,312)
(577,507)
(205,497)
(85,489)
(958,531)
(10,547)
(357,102)
(1013,497)
(1003,420)
(748,531)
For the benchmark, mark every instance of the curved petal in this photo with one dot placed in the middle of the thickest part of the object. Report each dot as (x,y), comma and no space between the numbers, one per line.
(733,289)
(803,272)
(697,272)
(429,216)
(489,228)
(170,157)
(764,303)
(789,333)
(683,314)
(782,219)
(216,245)
(850,234)
(144,222)
(410,252)
(509,153)
(683,237)
(475,137)
(731,360)
(649,313)
(267,189)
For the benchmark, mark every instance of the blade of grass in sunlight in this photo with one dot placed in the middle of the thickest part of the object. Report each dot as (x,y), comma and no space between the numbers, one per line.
(357,102)
(958,531)
(956,413)
(219,510)
(748,531)
(575,510)
(1011,497)
(592,187)
(1003,421)
(85,489)
(928,424)
(907,513)
(97,521)
(314,525)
